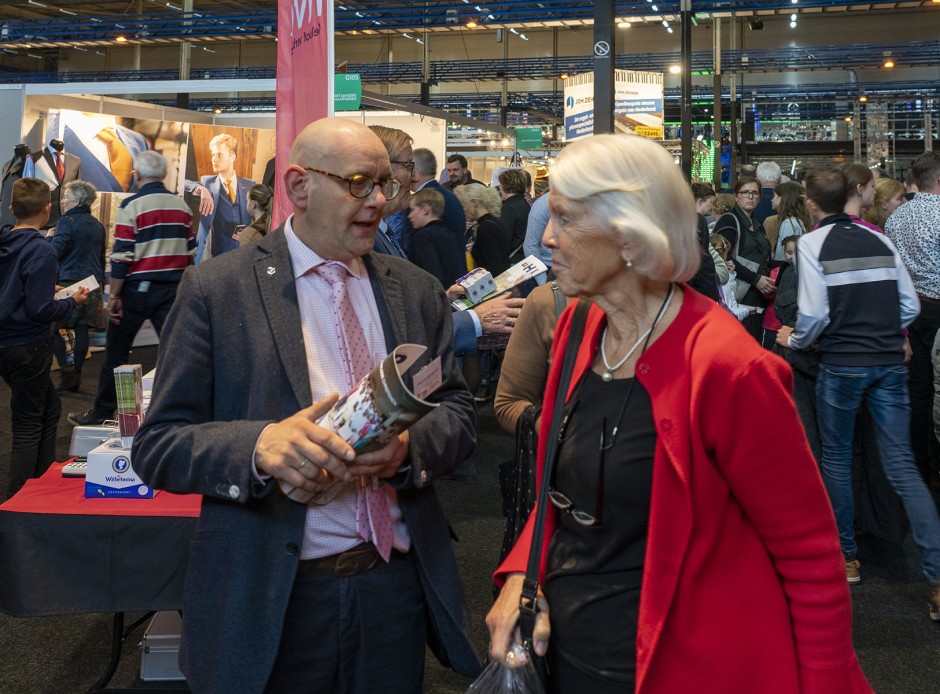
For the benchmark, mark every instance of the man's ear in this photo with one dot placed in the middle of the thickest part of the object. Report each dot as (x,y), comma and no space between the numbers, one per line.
(295,183)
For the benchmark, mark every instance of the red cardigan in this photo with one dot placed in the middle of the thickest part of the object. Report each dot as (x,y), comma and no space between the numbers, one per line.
(744,585)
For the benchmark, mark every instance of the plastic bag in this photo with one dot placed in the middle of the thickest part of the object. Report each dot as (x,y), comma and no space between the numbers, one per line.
(496,678)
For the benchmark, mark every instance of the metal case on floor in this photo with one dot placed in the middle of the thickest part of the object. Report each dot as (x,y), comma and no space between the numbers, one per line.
(160,649)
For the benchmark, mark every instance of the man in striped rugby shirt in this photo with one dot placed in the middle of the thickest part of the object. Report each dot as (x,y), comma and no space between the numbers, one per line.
(153,244)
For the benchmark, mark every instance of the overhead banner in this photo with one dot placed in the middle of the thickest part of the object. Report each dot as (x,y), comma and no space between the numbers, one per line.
(638,105)
(304,78)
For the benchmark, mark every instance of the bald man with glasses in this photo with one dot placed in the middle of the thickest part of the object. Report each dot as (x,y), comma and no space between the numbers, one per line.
(281,596)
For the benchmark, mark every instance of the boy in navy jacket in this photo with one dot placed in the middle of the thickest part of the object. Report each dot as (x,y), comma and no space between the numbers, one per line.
(28,270)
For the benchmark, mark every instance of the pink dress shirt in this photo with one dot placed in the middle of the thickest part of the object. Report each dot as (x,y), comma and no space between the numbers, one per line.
(331,528)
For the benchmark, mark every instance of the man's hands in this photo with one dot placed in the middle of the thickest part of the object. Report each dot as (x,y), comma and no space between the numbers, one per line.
(303,454)
(384,462)
(765,285)
(499,315)
(115,309)
(206,205)
(783,336)
(80,296)
(306,456)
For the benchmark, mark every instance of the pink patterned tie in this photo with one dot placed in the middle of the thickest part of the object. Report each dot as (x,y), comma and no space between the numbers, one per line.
(373,519)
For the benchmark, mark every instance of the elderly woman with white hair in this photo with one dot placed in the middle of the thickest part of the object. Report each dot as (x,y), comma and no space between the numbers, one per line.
(79,241)
(680,552)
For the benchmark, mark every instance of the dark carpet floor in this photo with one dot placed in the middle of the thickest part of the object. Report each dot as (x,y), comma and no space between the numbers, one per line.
(898,646)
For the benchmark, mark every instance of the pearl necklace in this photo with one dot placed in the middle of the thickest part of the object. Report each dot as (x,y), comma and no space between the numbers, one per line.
(608,375)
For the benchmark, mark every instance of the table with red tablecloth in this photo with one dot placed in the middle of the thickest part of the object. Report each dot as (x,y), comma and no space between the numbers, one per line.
(61,553)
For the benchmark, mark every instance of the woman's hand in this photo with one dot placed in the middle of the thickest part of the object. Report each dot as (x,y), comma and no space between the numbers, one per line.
(765,285)
(503,618)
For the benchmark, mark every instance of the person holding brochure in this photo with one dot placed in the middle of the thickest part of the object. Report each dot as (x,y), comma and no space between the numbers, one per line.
(323,310)
(80,242)
(27,309)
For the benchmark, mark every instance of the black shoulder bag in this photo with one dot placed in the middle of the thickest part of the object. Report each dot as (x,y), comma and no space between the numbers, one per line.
(528,604)
(517,476)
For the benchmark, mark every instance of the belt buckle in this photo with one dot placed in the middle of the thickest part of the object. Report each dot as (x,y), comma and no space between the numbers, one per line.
(355,562)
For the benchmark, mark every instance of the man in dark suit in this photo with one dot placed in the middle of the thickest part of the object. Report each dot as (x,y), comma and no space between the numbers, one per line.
(453,217)
(281,596)
(223,200)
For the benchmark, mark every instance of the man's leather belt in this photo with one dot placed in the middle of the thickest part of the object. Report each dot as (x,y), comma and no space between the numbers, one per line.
(352,562)
(928,300)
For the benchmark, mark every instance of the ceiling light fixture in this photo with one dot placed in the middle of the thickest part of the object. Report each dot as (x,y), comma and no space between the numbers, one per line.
(36,4)
(65,11)
(674,69)
(889,61)
(523,37)
(623,25)
(564,75)
(121,39)
(863,98)
(472,24)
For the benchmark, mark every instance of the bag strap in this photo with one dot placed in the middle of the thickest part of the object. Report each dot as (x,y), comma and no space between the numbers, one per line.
(528,605)
(561,301)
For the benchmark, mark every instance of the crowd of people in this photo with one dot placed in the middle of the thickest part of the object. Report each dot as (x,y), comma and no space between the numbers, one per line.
(666,515)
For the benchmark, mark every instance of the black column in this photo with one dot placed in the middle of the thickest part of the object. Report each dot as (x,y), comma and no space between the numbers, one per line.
(686,88)
(604,52)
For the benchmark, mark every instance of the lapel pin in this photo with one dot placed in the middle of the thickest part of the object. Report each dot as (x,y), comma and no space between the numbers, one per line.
(271,270)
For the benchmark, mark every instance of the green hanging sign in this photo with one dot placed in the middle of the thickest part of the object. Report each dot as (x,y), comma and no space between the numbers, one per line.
(347,92)
(529,138)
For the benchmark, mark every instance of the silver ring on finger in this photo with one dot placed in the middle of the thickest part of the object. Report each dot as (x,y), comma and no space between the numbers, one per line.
(303,461)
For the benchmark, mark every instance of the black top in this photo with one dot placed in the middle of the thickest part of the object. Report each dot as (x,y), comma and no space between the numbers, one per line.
(705,280)
(595,573)
(434,250)
(491,245)
(515,219)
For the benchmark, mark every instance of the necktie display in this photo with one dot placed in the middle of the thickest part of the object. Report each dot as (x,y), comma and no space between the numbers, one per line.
(60,165)
(373,518)
(119,157)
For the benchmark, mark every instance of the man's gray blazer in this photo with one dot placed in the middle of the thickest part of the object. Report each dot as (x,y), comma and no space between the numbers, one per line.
(232,361)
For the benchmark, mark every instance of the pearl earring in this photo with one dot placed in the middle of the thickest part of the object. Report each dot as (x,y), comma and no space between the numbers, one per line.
(629,263)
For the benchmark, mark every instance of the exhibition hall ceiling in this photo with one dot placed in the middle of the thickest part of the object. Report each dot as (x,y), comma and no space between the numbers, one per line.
(49,23)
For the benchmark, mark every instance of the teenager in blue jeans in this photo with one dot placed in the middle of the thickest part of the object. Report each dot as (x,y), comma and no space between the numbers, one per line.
(28,271)
(855,298)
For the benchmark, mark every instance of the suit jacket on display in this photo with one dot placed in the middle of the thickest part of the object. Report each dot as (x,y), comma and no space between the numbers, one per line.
(220,241)
(245,551)
(45,170)
(12,172)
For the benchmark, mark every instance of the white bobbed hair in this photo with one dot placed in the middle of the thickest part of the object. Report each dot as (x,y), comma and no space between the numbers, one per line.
(633,187)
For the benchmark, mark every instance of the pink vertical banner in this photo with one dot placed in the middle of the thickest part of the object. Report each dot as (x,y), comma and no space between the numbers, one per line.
(304,79)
